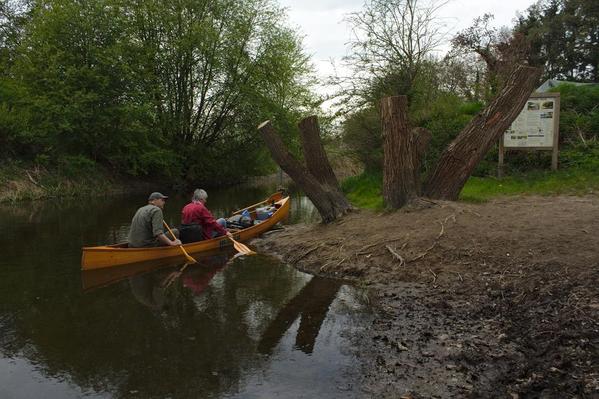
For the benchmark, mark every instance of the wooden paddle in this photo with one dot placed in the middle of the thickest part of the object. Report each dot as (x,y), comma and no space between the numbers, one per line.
(241,248)
(189,258)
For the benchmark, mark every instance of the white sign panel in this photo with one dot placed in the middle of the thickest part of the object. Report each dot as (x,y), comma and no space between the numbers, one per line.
(535,126)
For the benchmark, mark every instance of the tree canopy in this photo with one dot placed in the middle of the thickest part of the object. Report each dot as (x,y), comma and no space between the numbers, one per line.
(148,87)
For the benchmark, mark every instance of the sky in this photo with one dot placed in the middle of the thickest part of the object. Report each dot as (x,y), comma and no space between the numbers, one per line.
(326,34)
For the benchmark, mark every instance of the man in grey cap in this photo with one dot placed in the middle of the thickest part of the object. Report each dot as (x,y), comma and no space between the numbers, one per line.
(147,228)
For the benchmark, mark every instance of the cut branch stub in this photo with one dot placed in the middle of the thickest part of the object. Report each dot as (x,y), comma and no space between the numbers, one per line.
(459,159)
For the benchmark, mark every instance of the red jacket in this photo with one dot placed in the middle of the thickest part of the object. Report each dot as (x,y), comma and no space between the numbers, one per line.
(197,213)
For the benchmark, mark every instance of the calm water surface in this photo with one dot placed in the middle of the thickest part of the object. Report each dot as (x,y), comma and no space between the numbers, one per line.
(246,327)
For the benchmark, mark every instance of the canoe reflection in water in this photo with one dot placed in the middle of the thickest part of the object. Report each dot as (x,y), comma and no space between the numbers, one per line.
(160,272)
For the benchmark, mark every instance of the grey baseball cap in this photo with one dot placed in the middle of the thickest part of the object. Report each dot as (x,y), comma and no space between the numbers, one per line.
(157,195)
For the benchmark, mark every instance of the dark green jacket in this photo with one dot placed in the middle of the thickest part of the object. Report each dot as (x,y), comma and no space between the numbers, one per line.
(146,226)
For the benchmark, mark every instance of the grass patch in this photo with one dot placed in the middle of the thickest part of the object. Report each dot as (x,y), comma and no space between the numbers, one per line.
(21,182)
(365,191)
(568,181)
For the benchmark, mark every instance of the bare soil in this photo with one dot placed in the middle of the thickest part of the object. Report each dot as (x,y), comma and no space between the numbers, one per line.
(494,300)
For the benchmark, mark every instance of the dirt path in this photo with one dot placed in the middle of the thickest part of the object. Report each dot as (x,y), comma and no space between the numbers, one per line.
(492,300)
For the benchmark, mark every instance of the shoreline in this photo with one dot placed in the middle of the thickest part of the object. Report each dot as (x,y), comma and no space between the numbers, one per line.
(471,300)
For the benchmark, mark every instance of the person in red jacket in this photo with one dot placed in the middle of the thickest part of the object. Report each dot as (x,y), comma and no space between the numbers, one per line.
(197,223)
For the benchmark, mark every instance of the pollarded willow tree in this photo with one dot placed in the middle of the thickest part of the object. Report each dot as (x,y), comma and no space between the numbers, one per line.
(393,47)
(404,146)
(315,175)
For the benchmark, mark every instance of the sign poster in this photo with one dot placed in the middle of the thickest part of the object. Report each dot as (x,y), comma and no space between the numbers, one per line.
(535,126)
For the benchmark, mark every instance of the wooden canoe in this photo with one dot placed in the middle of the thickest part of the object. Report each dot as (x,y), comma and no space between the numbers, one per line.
(119,254)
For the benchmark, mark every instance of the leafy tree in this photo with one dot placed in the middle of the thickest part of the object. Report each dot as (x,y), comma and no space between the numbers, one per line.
(215,68)
(362,136)
(148,87)
(579,115)
(564,38)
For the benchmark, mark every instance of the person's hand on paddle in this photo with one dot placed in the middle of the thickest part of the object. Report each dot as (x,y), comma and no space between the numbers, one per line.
(229,234)
(175,243)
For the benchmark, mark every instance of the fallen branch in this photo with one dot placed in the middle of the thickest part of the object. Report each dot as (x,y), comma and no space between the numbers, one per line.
(361,250)
(396,255)
(34,182)
(273,231)
(441,233)
(434,275)
(308,252)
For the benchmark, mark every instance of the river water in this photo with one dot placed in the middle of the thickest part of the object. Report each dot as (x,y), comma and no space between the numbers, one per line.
(244,327)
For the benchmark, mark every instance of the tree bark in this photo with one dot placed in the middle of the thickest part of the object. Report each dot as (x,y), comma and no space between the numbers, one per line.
(422,138)
(459,159)
(329,202)
(400,171)
(316,158)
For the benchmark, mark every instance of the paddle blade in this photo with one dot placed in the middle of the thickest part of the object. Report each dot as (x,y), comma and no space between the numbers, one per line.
(189,258)
(242,248)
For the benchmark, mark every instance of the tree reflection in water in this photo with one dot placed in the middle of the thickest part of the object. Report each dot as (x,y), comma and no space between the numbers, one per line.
(312,303)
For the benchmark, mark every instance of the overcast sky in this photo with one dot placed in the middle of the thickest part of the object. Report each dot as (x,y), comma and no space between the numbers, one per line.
(326,33)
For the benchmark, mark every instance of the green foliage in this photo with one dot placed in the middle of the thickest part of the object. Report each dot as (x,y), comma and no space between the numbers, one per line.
(563,36)
(444,118)
(139,86)
(365,190)
(362,136)
(76,165)
(579,114)
(567,181)
(584,157)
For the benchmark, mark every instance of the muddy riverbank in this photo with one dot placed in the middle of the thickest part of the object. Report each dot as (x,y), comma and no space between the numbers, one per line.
(472,300)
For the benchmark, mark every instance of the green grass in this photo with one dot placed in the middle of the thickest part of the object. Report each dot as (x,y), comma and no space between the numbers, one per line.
(16,183)
(365,191)
(569,181)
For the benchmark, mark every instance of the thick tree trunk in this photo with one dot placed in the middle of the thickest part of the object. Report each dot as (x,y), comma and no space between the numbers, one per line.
(315,156)
(402,152)
(329,202)
(459,159)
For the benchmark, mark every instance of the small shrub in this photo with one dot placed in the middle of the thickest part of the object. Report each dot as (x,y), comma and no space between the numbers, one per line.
(76,165)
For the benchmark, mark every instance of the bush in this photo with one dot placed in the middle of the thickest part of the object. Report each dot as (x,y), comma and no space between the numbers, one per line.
(581,156)
(76,165)
(365,190)
(445,118)
(362,136)
(579,114)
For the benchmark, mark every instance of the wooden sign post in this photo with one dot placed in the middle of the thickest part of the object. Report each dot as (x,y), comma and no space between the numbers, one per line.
(536,128)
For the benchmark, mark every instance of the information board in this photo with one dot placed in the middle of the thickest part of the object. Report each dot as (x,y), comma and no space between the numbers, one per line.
(535,126)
